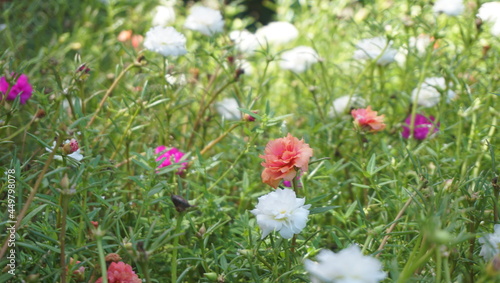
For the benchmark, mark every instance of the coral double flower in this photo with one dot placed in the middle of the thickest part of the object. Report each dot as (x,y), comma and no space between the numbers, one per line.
(367,119)
(282,158)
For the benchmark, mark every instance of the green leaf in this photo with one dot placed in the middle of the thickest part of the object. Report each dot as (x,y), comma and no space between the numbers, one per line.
(318,210)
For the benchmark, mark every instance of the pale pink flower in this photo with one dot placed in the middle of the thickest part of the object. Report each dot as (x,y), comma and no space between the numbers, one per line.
(368,119)
(283,157)
(120,272)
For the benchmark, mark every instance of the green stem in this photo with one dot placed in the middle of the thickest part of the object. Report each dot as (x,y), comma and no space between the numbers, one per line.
(62,235)
(173,263)
(109,91)
(102,259)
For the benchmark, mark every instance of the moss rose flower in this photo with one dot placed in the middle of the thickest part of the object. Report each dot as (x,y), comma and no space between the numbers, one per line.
(21,88)
(165,40)
(169,157)
(282,157)
(120,272)
(205,20)
(347,266)
(281,211)
(368,119)
(421,128)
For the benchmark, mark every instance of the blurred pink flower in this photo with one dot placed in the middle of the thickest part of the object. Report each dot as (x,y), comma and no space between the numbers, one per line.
(169,157)
(282,157)
(22,88)
(368,119)
(421,128)
(120,272)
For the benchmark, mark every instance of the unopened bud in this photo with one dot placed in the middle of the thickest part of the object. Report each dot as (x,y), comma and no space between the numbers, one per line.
(180,203)
(212,276)
(112,257)
(250,118)
(64,182)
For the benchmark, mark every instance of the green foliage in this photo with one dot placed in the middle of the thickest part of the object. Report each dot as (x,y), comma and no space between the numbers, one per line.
(419,206)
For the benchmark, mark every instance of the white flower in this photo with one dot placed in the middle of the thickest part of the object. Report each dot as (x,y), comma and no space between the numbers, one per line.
(371,48)
(495,29)
(205,20)
(245,41)
(176,80)
(298,59)
(166,41)
(70,146)
(449,7)
(346,266)
(228,108)
(276,33)
(281,211)
(430,92)
(490,244)
(416,44)
(164,15)
(342,104)
(244,65)
(490,12)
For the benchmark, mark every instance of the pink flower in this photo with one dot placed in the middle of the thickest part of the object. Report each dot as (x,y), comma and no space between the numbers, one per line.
(368,119)
(168,157)
(283,157)
(421,127)
(120,272)
(22,88)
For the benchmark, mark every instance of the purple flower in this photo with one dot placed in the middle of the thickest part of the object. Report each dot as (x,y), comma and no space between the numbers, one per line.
(168,157)
(21,88)
(421,127)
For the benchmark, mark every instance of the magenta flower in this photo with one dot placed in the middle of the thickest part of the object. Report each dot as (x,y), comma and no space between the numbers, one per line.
(22,88)
(421,127)
(169,157)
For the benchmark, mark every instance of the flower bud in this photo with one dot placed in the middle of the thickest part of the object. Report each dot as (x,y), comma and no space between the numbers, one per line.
(112,257)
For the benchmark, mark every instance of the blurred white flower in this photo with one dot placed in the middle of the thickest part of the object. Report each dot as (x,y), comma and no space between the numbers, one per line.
(490,12)
(281,211)
(3,26)
(244,65)
(205,20)
(430,92)
(276,33)
(164,15)
(347,266)
(165,40)
(449,7)
(342,104)
(298,59)
(245,41)
(228,109)
(490,244)
(417,45)
(372,48)
(495,29)
(176,80)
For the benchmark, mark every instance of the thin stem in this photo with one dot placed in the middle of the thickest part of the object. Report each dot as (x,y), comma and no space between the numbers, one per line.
(31,196)
(394,223)
(173,263)
(102,259)
(110,90)
(62,235)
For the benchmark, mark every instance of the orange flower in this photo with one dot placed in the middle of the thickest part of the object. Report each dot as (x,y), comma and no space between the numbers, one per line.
(368,119)
(282,157)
